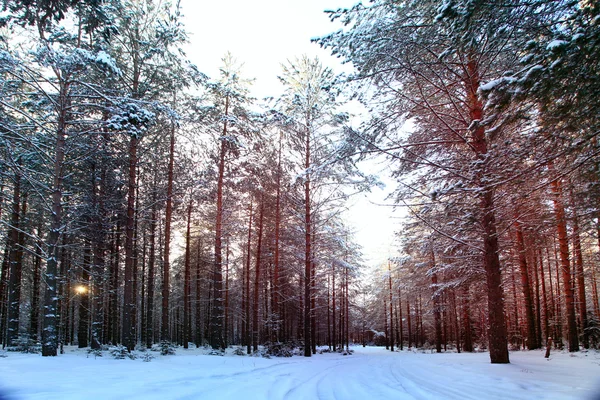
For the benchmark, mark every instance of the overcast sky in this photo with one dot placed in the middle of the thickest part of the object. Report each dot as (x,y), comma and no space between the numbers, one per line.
(263,34)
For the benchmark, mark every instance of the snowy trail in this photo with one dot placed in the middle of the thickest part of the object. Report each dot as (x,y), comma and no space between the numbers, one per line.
(371,373)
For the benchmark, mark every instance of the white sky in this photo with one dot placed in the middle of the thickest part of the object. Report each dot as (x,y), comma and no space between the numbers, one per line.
(263,34)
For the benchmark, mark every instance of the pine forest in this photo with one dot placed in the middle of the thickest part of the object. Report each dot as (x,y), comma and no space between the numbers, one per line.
(150,209)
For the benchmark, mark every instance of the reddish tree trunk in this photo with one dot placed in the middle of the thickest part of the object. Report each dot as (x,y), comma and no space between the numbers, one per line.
(15,267)
(526,287)
(164,333)
(255,327)
(151,261)
(247,276)
(391,307)
(216,331)
(497,335)
(544,298)
(563,241)
(186,281)
(580,279)
(307,243)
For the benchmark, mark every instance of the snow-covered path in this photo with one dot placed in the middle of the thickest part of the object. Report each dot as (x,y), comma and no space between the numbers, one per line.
(371,373)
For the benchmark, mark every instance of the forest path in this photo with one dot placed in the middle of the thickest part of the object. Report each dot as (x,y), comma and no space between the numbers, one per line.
(370,373)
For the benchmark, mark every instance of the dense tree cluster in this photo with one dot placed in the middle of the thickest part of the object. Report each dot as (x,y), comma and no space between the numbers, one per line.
(488,114)
(142,201)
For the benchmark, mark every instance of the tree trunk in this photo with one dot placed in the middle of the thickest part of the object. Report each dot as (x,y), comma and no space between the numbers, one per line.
(164,333)
(401,342)
(544,298)
(34,323)
(497,335)
(255,327)
(563,241)
(127,331)
(466,317)
(580,279)
(247,276)
(538,312)
(216,335)
(408,322)
(50,329)
(385,321)
(307,243)
(334,344)
(84,303)
(186,281)
(391,306)
(276,267)
(151,273)
(15,267)
(525,285)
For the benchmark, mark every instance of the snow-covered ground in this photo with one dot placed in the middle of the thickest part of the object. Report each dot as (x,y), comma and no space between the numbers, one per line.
(370,373)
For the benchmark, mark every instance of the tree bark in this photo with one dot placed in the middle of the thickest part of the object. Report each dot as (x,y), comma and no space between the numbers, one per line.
(151,273)
(50,329)
(216,335)
(127,331)
(497,335)
(164,333)
(563,241)
(255,327)
(307,243)
(247,276)
(391,306)
(186,281)
(580,278)
(15,267)
(526,287)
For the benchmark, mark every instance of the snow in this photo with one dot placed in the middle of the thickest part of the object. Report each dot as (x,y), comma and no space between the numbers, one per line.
(370,373)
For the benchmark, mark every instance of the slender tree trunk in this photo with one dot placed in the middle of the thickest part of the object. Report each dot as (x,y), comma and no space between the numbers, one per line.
(307,243)
(538,312)
(333,306)
(391,306)
(525,285)
(15,267)
(347,313)
(198,335)
(50,329)
(247,276)
(561,227)
(186,281)
(544,299)
(401,342)
(516,329)
(408,322)
(34,324)
(216,336)
(466,317)
(385,321)
(594,279)
(84,304)
(455,320)
(276,272)
(226,330)
(127,332)
(151,273)
(164,333)
(436,305)
(580,279)
(255,327)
